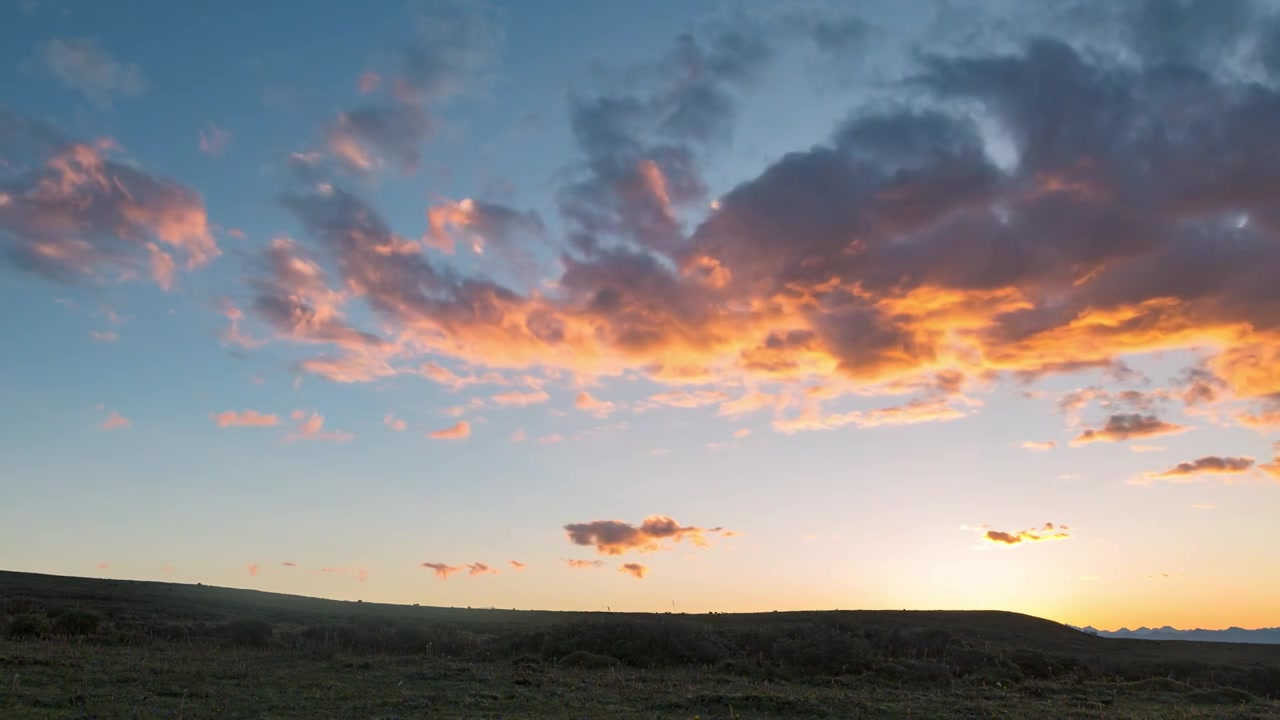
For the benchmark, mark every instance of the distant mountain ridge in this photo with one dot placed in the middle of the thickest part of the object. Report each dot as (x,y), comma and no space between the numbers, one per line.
(1260,636)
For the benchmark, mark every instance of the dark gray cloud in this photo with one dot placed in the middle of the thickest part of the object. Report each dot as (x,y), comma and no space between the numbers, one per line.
(614,537)
(1128,426)
(1211,465)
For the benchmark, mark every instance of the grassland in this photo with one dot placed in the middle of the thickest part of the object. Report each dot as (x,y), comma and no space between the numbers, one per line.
(81,648)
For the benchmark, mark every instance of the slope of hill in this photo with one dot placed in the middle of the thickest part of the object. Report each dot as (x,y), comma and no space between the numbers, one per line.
(90,647)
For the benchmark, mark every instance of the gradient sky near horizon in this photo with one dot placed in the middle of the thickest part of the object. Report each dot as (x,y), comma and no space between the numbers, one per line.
(705,306)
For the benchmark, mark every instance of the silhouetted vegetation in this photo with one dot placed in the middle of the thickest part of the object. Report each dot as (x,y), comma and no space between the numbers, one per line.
(941,654)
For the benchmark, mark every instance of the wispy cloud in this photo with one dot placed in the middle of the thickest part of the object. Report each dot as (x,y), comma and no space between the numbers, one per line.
(584,564)
(1037,445)
(1048,532)
(516,398)
(479,568)
(253,569)
(115,421)
(214,140)
(106,337)
(587,403)
(246,418)
(517,565)
(394,422)
(312,428)
(86,67)
(458,431)
(635,570)
(441,570)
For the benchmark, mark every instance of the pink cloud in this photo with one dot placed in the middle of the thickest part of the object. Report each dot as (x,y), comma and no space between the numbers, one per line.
(587,403)
(313,429)
(214,140)
(741,433)
(115,421)
(458,431)
(253,569)
(247,418)
(515,398)
(394,422)
(635,570)
(79,213)
(104,565)
(369,82)
(289,564)
(479,568)
(107,337)
(517,565)
(518,436)
(584,564)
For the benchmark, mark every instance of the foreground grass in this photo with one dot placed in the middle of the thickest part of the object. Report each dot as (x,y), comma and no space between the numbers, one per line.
(80,648)
(75,679)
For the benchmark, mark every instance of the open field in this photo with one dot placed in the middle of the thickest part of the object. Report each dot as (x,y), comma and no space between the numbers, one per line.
(82,648)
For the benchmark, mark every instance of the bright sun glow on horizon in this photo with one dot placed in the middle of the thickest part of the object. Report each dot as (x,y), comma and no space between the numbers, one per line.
(676,306)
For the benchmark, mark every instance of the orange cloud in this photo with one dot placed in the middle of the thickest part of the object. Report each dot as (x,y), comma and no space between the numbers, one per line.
(248,418)
(862,264)
(635,570)
(480,568)
(589,404)
(920,410)
(1145,448)
(614,537)
(458,431)
(516,398)
(312,428)
(584,564)
(253,569)
(115,421)
(104,565)
(1191,471)
(441,570)
(1119,428)
(742,432)
(394,422)
(1048,532)
(517,565)
(1037,445)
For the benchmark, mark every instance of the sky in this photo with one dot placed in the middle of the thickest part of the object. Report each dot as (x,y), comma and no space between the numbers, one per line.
(649,306)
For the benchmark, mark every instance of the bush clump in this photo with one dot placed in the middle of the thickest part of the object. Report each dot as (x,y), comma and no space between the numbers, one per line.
(29,625)
(248,633)
(77,621)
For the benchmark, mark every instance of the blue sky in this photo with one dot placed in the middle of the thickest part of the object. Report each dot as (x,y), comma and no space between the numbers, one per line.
(923,305)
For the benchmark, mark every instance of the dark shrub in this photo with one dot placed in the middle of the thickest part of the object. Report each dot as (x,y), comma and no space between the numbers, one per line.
(590,660)
(77,622)
(825,651)
(29,625)
(248,633)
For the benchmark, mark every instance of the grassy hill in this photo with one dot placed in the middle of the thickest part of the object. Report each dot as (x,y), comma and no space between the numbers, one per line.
(79,647)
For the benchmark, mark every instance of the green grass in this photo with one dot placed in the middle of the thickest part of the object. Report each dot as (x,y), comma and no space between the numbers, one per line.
(180,651)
